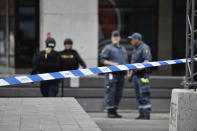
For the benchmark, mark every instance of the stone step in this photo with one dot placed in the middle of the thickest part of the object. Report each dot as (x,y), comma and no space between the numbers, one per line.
(96,104)
(79,92)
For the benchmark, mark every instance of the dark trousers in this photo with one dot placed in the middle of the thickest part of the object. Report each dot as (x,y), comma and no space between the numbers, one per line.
(114,83)
(49,88)
(142,91)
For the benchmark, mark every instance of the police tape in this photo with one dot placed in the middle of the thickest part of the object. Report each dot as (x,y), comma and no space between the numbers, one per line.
(90,71)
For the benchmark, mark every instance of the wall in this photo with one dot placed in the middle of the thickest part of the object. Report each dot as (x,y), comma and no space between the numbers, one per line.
(165,34)
(76,19)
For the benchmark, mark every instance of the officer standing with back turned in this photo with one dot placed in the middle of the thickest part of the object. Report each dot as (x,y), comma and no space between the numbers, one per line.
(140,54)
(113,54)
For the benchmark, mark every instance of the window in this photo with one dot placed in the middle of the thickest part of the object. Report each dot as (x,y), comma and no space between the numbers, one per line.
(129,16)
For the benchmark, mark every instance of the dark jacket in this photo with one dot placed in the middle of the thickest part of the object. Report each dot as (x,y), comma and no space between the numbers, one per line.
(51,63)
(71,60)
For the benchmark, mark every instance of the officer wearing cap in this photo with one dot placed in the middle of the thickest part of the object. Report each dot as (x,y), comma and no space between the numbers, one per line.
(141,53)
(48,61)
(113,54)
(71,58)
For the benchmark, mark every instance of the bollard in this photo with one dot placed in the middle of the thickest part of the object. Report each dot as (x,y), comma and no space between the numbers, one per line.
(183,110)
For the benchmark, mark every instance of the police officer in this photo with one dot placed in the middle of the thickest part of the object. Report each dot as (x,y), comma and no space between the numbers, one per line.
(71,58)
(48,61)
(141,53)
(113,54)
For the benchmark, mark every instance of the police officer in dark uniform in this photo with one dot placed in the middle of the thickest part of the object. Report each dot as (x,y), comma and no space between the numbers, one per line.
(48,61)
(113,54)
(140,54)
(71,58)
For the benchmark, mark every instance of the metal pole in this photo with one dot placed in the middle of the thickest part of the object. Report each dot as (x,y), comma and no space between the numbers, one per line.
(187,42)
(192,39)
(62,88)
(7,37)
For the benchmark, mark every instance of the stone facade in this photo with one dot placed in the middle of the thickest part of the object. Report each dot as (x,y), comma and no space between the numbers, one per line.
(76,19)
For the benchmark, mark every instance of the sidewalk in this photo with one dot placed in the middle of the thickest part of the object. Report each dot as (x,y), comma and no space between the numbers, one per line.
(158,122)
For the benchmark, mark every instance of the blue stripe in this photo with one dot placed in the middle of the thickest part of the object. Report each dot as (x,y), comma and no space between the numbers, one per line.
(114,68)
(163,63)
(12,81)
(178,61)
(35,78)
(57,75)
(96,70)
(77,73)
(130,66)
(147,64)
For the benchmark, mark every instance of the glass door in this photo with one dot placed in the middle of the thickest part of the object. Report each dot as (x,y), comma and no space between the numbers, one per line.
(27,34)
(7,16)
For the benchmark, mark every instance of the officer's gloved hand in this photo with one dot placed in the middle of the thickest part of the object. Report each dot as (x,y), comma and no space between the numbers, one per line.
(130,79)
(129,76)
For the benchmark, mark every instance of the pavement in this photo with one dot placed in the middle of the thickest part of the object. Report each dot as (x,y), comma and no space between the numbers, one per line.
(158,122)
(66,114)
(44,114)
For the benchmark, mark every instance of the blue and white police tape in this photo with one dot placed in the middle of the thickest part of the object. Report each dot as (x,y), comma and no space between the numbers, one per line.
(89,71)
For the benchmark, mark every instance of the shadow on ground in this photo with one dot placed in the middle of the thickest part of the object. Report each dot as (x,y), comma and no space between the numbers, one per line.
(158,122)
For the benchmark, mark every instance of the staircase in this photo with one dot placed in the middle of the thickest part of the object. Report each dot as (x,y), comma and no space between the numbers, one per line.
(91,90)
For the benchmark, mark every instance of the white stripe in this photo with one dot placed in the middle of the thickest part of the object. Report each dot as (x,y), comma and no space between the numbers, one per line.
(183,60)
(170,62)
(122,67)
(139,65)
(86,71)
(195,59)
(46,76)
(3,82)
(67,74)
(145,106)
(104,69)
(24,79)
(155,63)
(110,107)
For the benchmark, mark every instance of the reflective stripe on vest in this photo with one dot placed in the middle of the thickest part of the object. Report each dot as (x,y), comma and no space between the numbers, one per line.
(144,80)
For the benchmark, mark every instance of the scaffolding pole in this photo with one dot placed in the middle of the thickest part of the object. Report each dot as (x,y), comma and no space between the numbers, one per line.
(191,13)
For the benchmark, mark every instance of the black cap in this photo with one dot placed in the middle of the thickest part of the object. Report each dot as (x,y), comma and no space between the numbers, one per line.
(68,41)
(50,42)
(115,33)
(136,36)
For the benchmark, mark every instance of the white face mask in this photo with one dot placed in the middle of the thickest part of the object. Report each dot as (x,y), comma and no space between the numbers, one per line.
(47,51)
(51,45)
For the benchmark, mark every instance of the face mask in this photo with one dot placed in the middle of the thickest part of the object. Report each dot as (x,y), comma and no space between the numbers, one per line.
(47,51)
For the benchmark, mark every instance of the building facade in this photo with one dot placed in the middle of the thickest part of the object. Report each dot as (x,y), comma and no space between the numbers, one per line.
(24,25)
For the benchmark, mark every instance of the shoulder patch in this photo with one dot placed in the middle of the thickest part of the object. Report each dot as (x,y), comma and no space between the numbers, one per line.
(103,50)
(147,51)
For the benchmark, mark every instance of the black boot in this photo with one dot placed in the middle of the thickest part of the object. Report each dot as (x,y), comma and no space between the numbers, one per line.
(140,117)
(117,115)
(112,113)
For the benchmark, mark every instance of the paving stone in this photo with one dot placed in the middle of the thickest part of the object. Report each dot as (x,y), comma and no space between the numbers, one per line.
(51,128)
(90,129)
(8,128)
(44,114)
(70,128)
